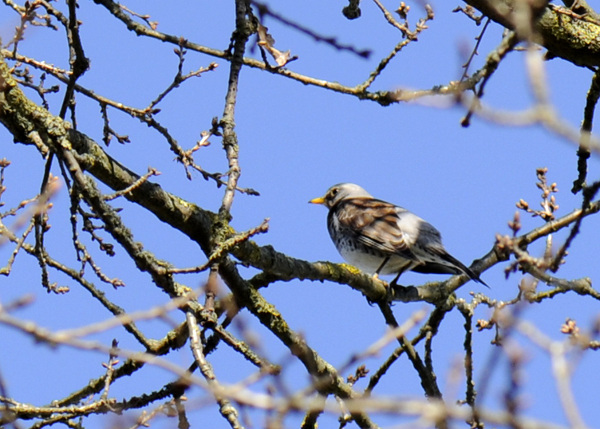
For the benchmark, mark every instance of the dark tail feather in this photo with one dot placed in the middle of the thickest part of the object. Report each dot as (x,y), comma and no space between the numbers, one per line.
(475,277)
(463,268)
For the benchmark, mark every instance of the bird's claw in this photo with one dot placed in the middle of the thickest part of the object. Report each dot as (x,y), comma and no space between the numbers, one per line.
(391,290)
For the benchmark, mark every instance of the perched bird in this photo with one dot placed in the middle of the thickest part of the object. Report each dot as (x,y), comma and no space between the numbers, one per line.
(381,238)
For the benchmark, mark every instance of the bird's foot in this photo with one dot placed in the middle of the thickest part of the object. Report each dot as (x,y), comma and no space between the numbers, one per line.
(391,290)
(388,295)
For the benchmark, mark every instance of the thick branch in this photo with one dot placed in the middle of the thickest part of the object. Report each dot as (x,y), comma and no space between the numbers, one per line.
(564,33)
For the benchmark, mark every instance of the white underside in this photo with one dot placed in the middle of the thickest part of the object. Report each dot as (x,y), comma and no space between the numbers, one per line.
(370,263)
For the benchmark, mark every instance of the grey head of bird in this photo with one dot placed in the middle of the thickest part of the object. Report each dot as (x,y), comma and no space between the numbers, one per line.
(340,192)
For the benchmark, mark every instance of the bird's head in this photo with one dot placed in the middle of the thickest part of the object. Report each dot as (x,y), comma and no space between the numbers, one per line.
(340,192)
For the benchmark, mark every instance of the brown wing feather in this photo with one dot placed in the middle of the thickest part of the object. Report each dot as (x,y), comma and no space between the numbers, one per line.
(375,228)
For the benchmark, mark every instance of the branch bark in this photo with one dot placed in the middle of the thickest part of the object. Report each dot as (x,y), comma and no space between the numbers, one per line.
(567,34)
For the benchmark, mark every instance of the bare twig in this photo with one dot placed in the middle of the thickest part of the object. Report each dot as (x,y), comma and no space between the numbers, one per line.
(583,152)
(265,10)
(151,172)
(492,62)
(225,407)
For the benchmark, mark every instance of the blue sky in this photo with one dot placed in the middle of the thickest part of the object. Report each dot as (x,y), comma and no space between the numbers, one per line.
(296,141)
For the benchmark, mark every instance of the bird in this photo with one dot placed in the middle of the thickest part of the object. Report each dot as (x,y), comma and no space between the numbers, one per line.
(382,238)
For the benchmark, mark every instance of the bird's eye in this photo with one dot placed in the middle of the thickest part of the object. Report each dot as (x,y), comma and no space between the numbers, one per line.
(333,192)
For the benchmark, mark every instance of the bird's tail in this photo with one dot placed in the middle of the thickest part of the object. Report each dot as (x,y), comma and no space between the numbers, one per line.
(474,276)
(460,267)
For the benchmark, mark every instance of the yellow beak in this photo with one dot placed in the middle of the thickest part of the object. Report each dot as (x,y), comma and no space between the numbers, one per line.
(319,200)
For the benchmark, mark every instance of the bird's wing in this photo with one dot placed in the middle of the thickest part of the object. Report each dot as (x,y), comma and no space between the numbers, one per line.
(374,223)
(428,247)
(437,259)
